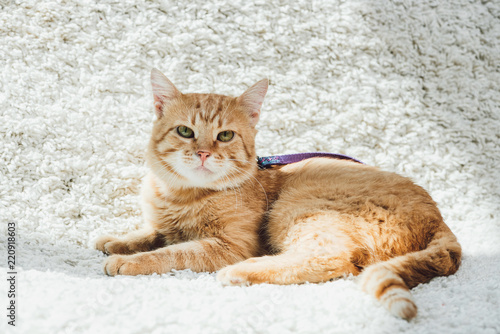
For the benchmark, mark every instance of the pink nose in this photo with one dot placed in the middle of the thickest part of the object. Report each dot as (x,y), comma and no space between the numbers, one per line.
(203,156)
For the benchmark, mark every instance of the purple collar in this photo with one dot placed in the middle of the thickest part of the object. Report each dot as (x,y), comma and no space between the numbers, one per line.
(265,162)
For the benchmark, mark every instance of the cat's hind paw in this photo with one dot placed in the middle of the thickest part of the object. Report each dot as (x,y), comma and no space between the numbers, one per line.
(234,275)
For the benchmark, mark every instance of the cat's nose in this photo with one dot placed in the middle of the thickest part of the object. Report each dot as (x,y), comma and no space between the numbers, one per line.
(203,155)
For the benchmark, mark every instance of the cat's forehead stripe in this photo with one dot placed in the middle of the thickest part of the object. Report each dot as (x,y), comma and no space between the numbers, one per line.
(210,109)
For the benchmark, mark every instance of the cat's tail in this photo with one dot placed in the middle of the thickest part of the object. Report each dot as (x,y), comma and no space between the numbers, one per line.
(390,281)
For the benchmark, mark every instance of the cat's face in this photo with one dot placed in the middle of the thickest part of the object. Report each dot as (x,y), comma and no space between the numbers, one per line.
(203,140)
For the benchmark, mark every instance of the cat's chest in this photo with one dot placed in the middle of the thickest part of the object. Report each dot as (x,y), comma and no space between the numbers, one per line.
(186,221)
(179,216)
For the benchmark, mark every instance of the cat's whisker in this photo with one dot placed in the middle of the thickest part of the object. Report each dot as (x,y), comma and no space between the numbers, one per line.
(235,187)
(265,193)
(231,185)
(223,114)
(225,190)
(159,162)
(248,162)
(186,109)
(244,161)
(170,177)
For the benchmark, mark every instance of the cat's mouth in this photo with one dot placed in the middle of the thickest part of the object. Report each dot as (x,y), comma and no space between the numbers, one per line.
(203,170)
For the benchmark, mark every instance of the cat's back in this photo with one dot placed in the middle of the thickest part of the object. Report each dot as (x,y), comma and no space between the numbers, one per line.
(344,181)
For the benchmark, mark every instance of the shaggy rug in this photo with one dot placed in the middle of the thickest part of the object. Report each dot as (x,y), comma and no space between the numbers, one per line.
(410,86)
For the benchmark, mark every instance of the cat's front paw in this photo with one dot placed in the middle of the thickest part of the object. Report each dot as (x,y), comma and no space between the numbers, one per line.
(132,265)
(100,243)
(112,245)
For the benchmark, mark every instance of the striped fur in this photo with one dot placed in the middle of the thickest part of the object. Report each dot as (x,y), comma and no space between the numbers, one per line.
(311,221)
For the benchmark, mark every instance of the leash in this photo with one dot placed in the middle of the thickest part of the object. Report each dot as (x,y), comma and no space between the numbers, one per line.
(285,159)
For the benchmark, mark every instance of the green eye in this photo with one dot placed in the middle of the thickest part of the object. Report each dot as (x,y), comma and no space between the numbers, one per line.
(225,135)
(185,132)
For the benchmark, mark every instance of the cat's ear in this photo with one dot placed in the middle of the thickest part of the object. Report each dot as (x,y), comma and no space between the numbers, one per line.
(163,91)
(252,100)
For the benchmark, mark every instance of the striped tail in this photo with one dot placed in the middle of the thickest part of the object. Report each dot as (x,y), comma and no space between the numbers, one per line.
(390,281)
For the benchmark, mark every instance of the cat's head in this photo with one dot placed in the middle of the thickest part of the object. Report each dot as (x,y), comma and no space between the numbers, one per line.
(203,140)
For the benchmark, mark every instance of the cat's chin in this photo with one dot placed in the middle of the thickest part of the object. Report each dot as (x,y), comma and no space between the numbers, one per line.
(199,177)
(203,177)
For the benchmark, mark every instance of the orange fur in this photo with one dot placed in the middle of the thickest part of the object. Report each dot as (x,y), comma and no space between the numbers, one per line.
(311,221)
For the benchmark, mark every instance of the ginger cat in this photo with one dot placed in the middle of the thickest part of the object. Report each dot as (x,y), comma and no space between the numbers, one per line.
(208,207)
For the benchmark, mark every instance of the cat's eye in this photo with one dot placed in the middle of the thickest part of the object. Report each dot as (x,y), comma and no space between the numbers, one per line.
(185,132)
(225,135)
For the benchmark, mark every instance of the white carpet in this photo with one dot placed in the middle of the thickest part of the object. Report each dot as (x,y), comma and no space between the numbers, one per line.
(410,86)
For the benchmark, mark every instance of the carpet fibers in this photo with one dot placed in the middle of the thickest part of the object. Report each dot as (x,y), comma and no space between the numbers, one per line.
(411,86)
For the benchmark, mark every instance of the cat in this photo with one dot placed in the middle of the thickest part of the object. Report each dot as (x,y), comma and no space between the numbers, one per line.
(208,207)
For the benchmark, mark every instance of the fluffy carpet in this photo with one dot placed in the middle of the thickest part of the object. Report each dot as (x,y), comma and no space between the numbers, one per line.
(410,86)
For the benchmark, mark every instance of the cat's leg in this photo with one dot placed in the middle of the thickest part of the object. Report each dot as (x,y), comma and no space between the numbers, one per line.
(138,241)
(314,251)
(209,254)
(288,268)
